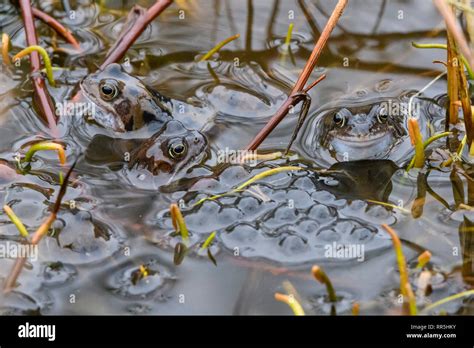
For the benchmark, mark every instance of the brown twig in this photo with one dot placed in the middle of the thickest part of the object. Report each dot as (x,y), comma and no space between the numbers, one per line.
(43,99)
(303,78)
(145,17)
(318,80)
(58,27)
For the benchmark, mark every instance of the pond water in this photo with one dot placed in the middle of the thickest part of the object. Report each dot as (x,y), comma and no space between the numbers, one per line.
(114,220)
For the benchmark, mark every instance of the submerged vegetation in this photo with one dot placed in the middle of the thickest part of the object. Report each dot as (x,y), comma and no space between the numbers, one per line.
(342,182)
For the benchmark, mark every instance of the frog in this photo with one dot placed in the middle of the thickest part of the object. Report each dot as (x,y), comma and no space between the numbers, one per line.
(172,149)
(368,124)
(122,102)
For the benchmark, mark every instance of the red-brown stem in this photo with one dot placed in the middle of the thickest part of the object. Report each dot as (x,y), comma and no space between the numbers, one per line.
(45,103)
(121,46)
(14,274)
(58,27)
(303,78)
(318,80)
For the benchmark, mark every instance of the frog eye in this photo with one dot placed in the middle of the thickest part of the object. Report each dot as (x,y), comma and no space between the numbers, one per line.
(339,119)
(108,90)
(177,150)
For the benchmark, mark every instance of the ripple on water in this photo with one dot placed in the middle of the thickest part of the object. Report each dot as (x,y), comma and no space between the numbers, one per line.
(127,280)
(245,91)
(57,273)
(17,303)
(321,304)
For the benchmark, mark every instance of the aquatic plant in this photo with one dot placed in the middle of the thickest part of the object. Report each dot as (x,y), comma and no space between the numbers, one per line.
(426,143)
(405,287)
(208,240)
(46,60)
(417,142)
(16,221)
(447,299)
(46,105)
(290,301)
(469,70)
(207,244)
(423,259)
(390,205)
(180,251)
(288,35)
(458,89)
(321,276)
(454,29)
(5,49)
(40,232)
(178,222)
(247,157)
(218,47)
(45,146)
(257,177)
(355,308)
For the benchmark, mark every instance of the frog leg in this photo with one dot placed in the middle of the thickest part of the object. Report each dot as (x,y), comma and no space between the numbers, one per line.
(302,116)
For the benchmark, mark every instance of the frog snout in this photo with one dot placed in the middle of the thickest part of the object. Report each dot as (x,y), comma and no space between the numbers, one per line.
(360,124)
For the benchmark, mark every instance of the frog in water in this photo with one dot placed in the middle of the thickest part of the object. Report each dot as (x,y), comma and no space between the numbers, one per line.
(366,125)
(122,102)
(172,149)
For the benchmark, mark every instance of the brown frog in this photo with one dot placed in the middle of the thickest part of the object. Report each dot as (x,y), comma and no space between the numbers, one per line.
(172,149)
(122,102)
